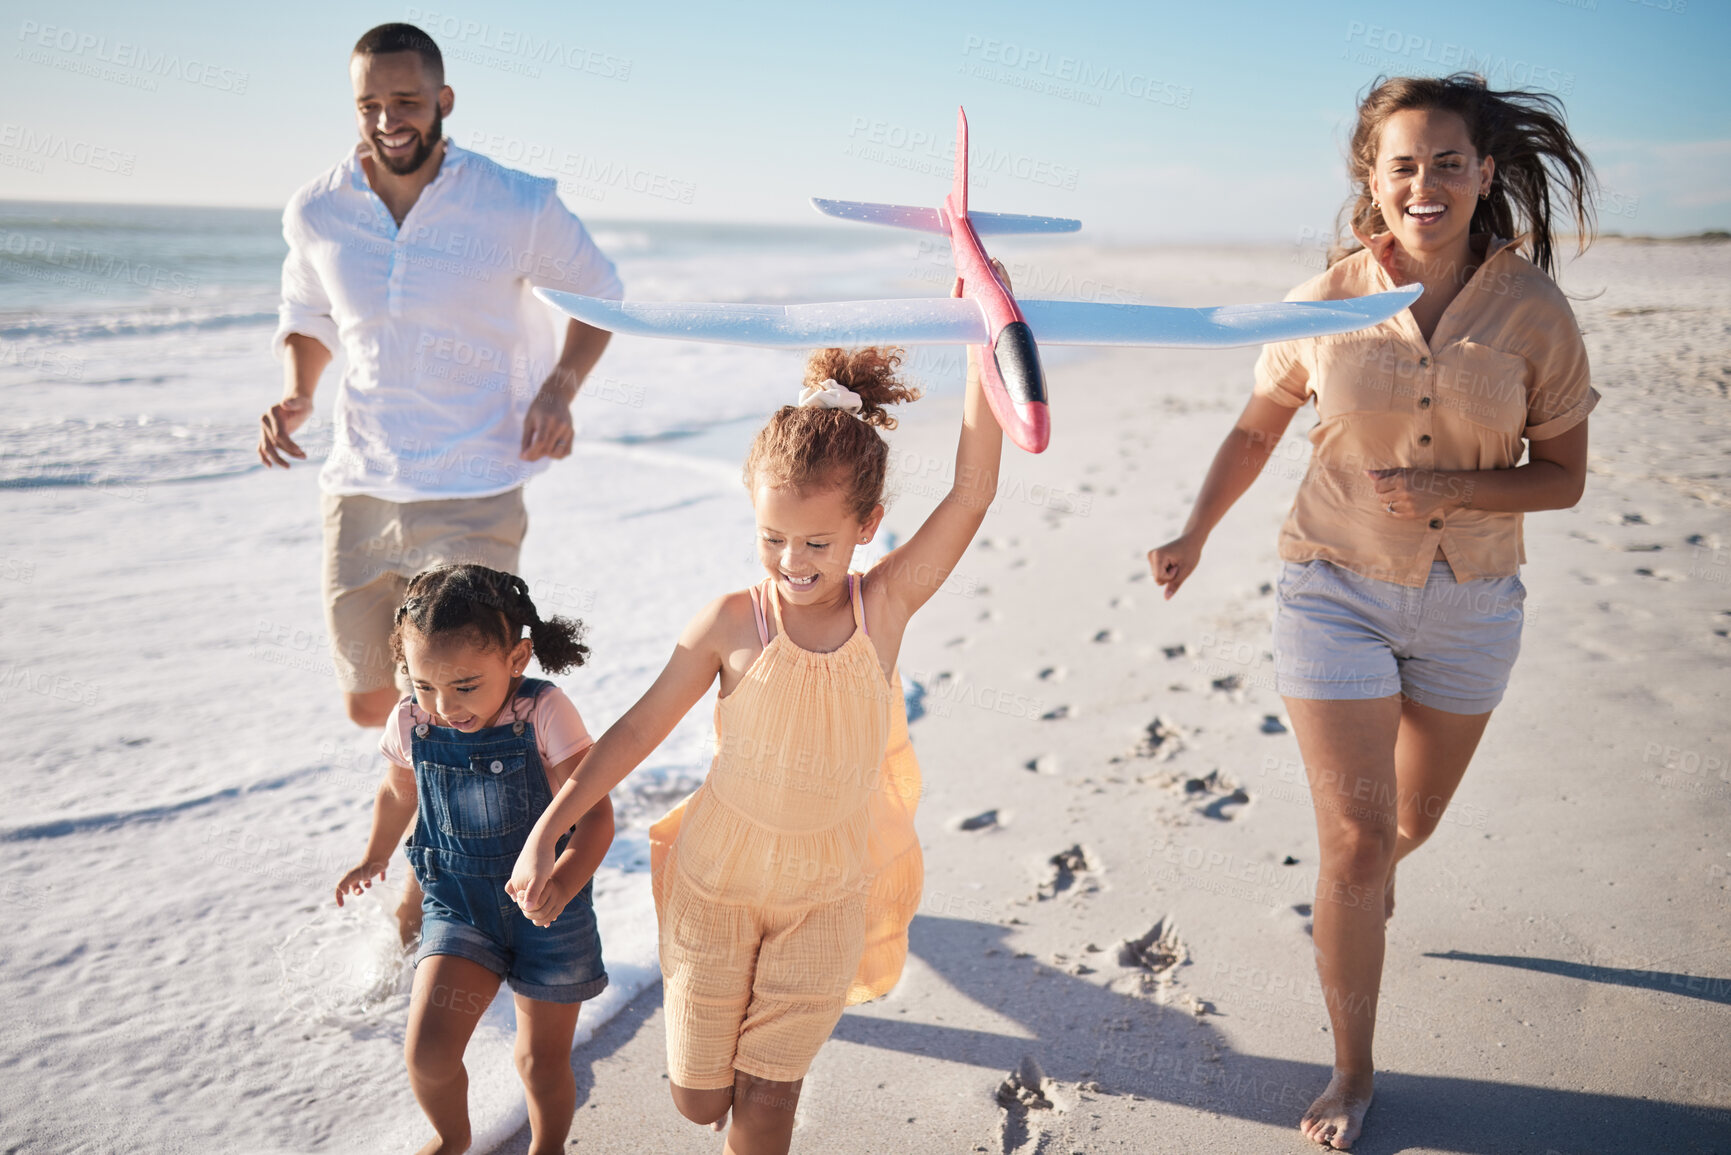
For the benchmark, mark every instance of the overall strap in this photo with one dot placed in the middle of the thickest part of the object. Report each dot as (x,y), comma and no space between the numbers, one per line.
(853,585)
(756,593)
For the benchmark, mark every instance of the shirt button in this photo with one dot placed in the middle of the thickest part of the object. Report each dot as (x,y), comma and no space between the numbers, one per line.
(1424,402)
(1436,523)
(498,766)
(1424,362)
(1425,440)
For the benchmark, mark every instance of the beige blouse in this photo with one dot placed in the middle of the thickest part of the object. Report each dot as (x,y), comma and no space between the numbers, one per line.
(1505,365)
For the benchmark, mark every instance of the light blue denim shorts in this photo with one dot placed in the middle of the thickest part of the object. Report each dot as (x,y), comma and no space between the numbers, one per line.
(1448,645)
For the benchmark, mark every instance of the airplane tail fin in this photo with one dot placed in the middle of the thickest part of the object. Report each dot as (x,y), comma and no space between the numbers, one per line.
(958,199)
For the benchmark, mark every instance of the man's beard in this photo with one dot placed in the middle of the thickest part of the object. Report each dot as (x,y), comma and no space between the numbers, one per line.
(415,160)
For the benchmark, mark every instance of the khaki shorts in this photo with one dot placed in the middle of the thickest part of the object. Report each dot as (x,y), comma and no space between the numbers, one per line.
(373,548)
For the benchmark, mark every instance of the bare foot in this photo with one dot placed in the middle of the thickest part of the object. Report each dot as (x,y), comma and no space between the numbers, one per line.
(438,1146)
(1388,897)
(1337,1116)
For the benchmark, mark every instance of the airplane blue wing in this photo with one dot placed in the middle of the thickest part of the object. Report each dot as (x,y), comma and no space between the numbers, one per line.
(916,321)
(895,216)
(1007,224)
(1095,323)
(959,321)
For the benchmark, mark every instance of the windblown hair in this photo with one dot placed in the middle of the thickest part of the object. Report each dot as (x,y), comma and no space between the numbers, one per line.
(1539,167)
(388,38)
(493,607)
(805,448)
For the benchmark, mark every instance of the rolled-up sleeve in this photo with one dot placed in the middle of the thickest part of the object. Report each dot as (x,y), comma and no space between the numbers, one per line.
(566,257)
(306,306)
(1560,393)
(1281,374)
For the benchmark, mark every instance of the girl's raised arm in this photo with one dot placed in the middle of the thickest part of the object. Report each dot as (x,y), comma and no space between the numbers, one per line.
(912,573)
(694,665)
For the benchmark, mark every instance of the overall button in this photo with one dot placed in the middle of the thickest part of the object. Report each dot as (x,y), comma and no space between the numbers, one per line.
(498,767)
(1424,402)
(1436,523)
(421,730)
(1425,440)
(517,728)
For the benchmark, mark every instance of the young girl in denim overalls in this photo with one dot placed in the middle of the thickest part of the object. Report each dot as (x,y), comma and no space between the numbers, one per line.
(475,755)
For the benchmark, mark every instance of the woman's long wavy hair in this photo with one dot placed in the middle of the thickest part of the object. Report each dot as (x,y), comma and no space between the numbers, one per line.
(1539,167)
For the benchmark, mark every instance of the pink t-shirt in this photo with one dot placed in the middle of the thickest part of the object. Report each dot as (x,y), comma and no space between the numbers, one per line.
(559,729)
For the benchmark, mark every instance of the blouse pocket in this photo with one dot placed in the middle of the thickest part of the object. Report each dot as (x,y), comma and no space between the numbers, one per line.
(1484,386)
(1359,373)
(486,798)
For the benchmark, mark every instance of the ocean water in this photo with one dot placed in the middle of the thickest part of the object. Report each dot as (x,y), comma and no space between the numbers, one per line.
(182,789)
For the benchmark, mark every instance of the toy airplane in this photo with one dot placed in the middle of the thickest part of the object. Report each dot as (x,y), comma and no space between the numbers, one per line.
(985,315)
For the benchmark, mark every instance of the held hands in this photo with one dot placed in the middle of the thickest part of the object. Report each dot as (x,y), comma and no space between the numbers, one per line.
(1174,562)
(278,422)
(1409,494)
(532,887)
(548,429)
(358,880)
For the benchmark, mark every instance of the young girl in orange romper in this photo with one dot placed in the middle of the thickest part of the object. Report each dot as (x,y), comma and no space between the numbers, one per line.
(785,884)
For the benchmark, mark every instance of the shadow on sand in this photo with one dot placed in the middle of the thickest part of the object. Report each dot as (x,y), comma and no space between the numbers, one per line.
(1083,1032)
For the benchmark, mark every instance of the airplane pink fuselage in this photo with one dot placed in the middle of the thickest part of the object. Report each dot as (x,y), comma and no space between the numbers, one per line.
(1010,365)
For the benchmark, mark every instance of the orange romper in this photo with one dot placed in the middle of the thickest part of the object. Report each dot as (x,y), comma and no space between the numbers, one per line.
(784,885)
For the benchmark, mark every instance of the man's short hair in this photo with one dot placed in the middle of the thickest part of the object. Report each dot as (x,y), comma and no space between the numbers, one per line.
(403,38)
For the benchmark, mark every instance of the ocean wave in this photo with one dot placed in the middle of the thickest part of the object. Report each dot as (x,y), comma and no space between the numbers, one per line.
(96,326)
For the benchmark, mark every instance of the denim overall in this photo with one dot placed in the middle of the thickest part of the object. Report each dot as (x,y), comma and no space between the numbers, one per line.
(479,796)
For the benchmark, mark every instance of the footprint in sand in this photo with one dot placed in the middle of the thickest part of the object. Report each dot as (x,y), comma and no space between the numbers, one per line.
(1042,764)
(1054,674)
(985,820)
(1161,739)
(1056,714)
(1108,636)
(1064,870)
(1274,724)
(1178,651)
(1154,958)
(1028,1098)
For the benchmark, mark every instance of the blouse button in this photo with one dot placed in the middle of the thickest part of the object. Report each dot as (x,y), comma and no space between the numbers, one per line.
(1425,440)
(1424,362)
(1424,402)
(1436,523)
(497,766)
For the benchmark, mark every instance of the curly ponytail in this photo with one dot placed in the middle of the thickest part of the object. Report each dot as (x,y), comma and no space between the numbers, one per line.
(804,447)
(494,606)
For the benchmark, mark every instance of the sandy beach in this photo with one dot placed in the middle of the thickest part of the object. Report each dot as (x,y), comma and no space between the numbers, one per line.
(1104,768)
(1112,951)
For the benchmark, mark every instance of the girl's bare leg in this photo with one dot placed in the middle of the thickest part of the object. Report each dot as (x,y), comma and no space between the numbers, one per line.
(763,1115)
(449,998)
(543,1054)
(1349,758)
(1430,757)
(706,1107)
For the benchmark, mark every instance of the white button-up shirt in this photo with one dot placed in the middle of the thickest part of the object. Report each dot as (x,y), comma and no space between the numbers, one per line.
(445,345)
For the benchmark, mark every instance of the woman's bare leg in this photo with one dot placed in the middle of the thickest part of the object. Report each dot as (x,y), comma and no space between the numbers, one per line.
(450,996)
(1430,758)
(1349,759)
(543,1054)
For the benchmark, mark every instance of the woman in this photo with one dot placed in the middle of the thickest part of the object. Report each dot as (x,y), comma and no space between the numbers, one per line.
(1399,609)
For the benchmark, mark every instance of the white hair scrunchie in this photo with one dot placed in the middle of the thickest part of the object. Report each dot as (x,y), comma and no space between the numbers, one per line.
(830,394)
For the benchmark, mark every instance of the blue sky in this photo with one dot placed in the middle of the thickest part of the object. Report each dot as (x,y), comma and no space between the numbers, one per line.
(1150,121)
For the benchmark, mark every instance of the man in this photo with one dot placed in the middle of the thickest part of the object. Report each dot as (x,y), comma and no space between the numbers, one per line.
(416,258)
